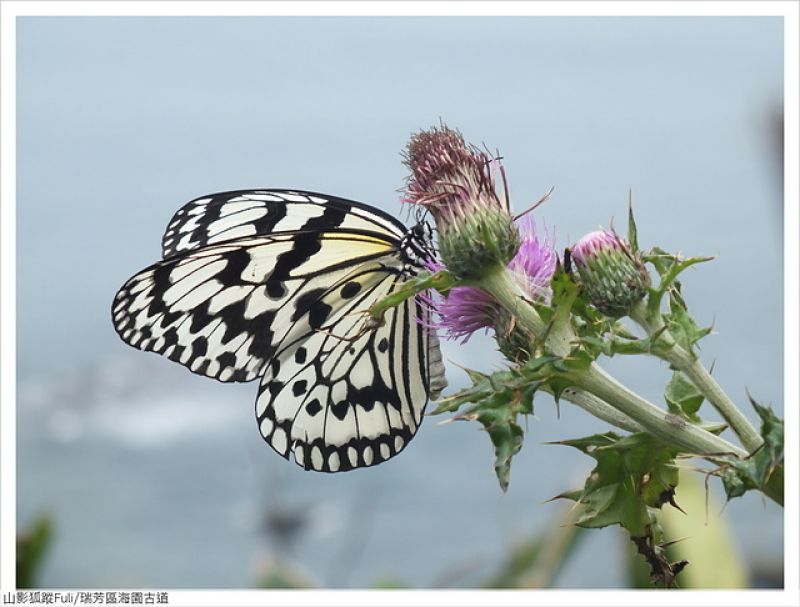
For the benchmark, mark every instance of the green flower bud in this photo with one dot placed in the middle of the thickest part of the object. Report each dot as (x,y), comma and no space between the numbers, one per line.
(479,243)
(513,340)
(613,277)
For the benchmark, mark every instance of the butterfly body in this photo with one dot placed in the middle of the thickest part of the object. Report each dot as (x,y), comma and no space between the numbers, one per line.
(275,285)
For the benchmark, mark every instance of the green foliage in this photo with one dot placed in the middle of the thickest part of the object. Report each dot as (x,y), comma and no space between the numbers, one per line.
(634,477)
(497,401)
(683,398)
(682,326)
(762,467)
(700,534)
(32,547)
(679,323)
(633,474)
(633,234)
(565,294)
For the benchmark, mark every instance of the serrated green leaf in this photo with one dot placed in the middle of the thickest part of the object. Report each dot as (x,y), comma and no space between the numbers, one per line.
(683,397)
(579,359)
(506,436)
(668,267)
(476,377)
(682,326)
(633,475)
(589,444)
(496,401)
(756,472)
(535,365)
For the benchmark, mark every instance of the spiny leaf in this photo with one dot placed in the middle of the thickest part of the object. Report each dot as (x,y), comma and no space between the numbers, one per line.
(668,267)
(632,232)
(634,477)
(496,402)
(755,472)
(682,326)
(506,436)
(565,292)
(633,474)
(683,397)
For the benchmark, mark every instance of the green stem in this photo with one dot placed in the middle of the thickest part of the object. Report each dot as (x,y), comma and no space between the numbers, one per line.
(669,428)
(597,382)
(682,360)
(599,408)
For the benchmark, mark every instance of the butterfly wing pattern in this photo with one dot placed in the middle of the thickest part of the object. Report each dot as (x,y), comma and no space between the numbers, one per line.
(274,284)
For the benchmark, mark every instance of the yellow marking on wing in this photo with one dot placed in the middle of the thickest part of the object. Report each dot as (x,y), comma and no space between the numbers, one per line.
(358,238)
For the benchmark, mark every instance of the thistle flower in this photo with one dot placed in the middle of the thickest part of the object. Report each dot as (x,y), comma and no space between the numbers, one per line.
(613,276)
(465,310)
(455,182)
(535,262)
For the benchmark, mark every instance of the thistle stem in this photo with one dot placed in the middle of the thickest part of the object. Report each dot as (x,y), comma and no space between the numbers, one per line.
(599,408)
(682,360)
(597,382)
(670,428)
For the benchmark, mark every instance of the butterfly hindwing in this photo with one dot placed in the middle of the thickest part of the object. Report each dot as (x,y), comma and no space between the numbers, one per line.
(359,400)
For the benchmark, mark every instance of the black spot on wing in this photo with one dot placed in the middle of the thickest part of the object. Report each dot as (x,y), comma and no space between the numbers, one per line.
(350,290)
(299,387)
(313,407)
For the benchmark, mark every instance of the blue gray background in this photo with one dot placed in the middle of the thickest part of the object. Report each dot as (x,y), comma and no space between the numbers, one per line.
(157,477)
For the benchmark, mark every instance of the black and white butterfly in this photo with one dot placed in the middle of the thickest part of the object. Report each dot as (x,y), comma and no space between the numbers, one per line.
(274,284)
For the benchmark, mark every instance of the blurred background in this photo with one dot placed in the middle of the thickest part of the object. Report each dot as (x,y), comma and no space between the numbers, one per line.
(134,472)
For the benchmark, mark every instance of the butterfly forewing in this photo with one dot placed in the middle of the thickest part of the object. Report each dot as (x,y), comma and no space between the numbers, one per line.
(231,215)
(277,284)
(222,310)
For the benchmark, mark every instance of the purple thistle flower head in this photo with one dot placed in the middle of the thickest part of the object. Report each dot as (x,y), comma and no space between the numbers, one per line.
(462,311)
(455,182)
(591,244)
(448,177)
(465,310)
(535,262)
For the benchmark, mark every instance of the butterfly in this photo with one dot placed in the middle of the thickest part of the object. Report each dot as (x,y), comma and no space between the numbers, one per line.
(274,285)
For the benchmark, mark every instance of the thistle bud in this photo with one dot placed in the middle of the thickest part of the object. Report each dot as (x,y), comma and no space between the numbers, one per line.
(513,340)
(455,183)
(467,309)
(612,275)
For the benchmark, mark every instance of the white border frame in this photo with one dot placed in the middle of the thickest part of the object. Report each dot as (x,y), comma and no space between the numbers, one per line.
(789,10)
